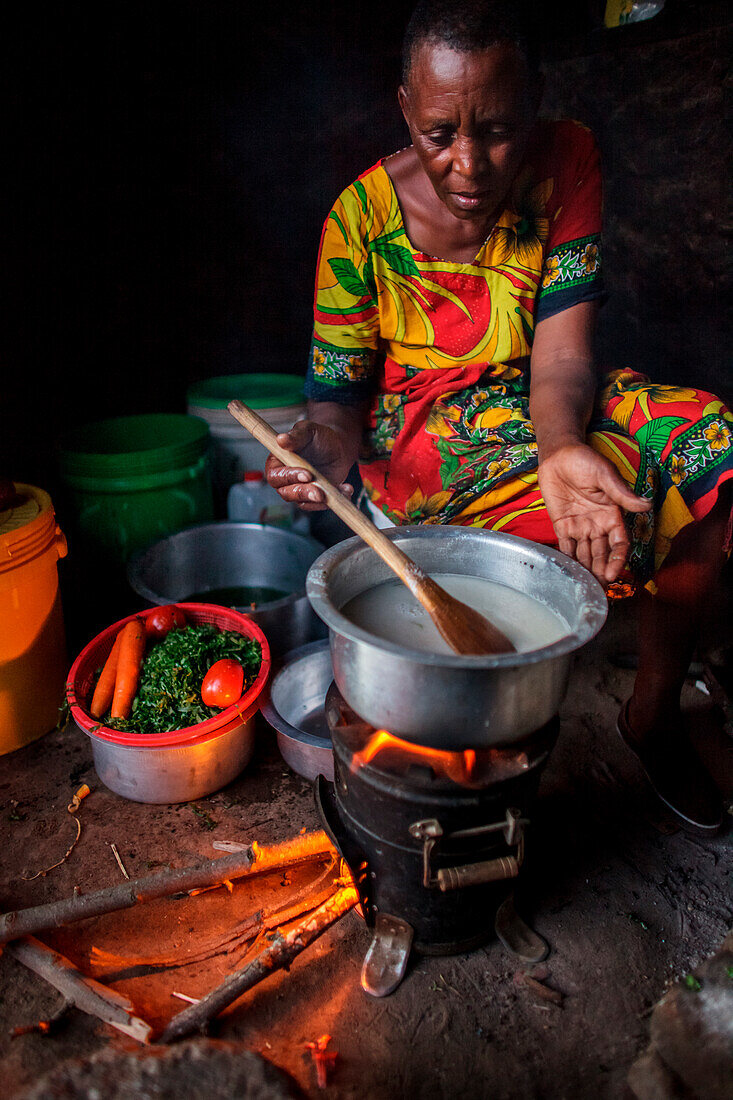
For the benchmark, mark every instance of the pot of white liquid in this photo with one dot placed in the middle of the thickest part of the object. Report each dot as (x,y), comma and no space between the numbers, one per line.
(391,665)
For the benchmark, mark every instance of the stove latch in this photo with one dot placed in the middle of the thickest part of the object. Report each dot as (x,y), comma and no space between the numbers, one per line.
(430,831)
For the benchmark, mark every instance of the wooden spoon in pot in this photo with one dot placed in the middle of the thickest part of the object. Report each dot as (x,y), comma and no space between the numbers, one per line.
(464,629)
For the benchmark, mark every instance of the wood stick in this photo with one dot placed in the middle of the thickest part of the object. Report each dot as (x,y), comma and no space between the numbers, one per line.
(312,895)
(85,993)
(396,559)
(255,860)
(280,951)
(462,627)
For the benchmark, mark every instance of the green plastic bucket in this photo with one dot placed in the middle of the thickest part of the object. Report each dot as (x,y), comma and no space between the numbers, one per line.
(277,397)
(130,481)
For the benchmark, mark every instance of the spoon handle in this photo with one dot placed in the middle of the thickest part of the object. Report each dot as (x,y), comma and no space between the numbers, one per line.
(407,570)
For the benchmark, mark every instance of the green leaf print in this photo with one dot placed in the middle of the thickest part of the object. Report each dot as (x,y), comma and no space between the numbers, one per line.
(450,464)
(348,277)
(461,447)
(340,224)
(526,326)
(397,256)
(361,192)
(369,277)
(655,435)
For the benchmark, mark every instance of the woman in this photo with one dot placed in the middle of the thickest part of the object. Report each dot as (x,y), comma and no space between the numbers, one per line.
(457,290)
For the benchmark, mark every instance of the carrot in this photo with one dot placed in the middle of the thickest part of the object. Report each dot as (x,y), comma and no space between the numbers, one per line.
(105,688)
(129,661)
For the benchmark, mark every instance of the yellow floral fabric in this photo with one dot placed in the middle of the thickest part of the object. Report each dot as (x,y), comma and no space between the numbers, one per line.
(441,351)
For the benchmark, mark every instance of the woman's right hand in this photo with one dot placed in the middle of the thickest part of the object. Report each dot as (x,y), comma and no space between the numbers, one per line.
(331,450)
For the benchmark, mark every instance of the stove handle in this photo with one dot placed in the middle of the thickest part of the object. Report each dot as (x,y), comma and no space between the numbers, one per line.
(429,831)
(472,874)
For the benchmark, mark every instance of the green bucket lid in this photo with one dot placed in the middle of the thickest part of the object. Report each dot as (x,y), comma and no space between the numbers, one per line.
(259,391)
(129,445)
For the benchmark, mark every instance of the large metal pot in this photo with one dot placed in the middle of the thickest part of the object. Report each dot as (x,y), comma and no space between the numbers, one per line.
(453,702)
(214,556)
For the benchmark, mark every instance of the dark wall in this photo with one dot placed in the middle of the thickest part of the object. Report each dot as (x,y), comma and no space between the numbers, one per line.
(171,166)
(171,172)
(654,95)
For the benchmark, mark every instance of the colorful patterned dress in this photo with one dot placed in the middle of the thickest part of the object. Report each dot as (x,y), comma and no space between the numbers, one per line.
(442,352)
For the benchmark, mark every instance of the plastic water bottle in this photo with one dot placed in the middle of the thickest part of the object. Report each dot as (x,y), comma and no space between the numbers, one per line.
(252,500)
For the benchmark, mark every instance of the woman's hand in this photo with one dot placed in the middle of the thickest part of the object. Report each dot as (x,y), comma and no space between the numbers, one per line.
(583,491)
(585,496)
(330,449)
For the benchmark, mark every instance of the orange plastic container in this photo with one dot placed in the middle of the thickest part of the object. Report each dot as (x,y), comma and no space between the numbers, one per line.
(33,659)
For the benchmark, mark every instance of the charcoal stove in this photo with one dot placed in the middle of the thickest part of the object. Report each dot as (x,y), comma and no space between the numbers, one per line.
(437,757)
(434,840)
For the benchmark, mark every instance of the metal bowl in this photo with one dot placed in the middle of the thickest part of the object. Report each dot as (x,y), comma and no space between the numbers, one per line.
(225,555)
(180,773)
(453,702)
(296,710)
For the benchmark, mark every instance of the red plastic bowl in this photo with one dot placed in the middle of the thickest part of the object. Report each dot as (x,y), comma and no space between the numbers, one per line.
(79,686)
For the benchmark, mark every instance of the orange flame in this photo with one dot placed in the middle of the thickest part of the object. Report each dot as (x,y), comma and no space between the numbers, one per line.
(460,767)
(467,768)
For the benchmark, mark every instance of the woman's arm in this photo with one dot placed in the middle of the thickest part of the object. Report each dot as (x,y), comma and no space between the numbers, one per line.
(562,365)
(583,492)
(330,439)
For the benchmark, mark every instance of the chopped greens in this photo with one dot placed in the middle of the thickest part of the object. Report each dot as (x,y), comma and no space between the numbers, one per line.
(169,695)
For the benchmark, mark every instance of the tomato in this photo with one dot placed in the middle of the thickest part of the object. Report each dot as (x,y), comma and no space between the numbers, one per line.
(223,683)
(163,619)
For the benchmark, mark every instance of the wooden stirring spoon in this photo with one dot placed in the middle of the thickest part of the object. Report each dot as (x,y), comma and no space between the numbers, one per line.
(466,631)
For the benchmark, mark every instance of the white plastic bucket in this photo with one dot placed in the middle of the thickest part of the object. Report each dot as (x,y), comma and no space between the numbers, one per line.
(233,450)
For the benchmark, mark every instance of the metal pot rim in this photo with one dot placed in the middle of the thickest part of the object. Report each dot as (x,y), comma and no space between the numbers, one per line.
(141,588)
(594,598)
(270,712)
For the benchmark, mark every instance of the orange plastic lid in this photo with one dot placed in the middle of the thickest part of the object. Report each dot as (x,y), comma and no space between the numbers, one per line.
(27,527)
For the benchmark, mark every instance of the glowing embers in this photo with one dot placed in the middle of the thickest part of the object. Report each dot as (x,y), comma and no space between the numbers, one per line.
(467,768)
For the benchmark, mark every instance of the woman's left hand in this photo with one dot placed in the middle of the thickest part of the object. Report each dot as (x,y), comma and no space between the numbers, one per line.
(585,496)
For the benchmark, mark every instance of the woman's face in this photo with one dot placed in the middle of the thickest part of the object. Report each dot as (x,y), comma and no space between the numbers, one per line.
(469,115)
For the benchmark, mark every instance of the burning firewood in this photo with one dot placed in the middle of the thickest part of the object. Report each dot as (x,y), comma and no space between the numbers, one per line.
(254,860)
(85,993)
(282,947)
(239,939)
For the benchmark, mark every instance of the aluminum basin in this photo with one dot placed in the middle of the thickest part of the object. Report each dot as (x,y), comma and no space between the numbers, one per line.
(213,556)
(453,702)
(295,709)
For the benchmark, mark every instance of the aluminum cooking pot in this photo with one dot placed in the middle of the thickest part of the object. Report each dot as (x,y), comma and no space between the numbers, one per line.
(452,702)
(214,556)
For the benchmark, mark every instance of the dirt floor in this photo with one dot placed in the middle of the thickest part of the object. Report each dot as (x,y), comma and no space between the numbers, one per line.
(628,903)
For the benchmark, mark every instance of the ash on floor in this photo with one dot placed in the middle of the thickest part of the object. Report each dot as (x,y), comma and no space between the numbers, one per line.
(629,904)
